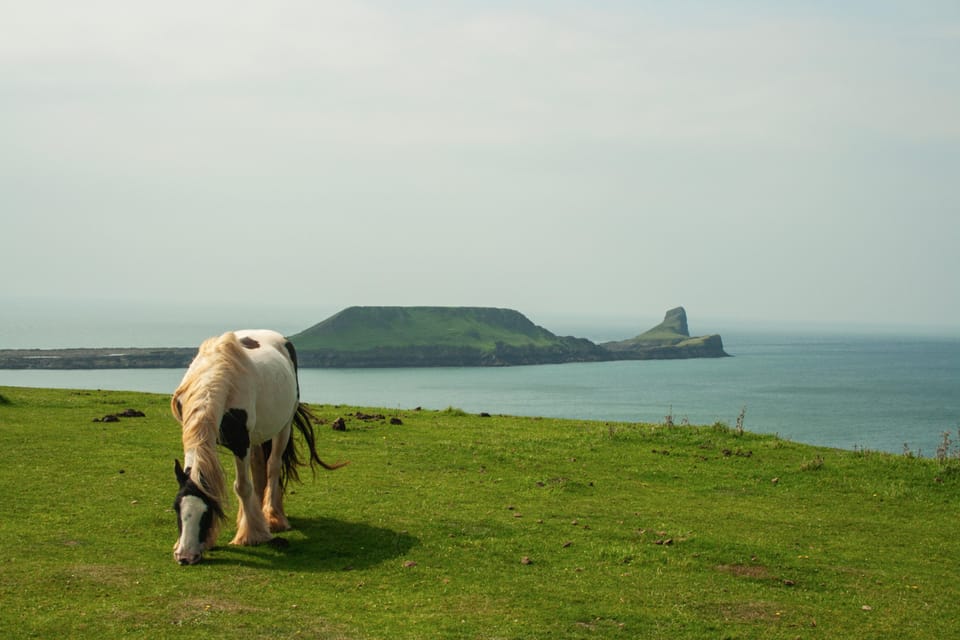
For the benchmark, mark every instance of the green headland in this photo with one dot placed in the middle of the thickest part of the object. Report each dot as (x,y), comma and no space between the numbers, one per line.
(414,337)
(478,336)
(435,336)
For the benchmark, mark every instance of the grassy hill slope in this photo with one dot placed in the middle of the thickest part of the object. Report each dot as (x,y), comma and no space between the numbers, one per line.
(458,336)
(358,328)
(672,330)
(457,526)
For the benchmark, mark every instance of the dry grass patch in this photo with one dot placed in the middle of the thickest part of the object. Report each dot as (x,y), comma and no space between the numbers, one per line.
(754,571)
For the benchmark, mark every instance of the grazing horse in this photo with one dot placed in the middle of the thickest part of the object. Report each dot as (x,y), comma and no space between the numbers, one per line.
(240,391)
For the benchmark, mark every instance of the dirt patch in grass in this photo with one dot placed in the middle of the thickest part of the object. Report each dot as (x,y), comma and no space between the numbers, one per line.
(195,611)
(754,571)
(217,604)
(106,575)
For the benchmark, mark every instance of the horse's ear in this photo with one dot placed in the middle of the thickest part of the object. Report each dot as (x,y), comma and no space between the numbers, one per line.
(182,476)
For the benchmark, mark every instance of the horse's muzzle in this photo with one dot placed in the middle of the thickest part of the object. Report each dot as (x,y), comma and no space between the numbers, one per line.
(188,559)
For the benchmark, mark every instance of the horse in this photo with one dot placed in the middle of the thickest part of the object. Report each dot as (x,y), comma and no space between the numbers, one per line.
(241,391)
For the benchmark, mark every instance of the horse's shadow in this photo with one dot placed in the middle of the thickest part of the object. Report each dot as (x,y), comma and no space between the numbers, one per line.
(320,544)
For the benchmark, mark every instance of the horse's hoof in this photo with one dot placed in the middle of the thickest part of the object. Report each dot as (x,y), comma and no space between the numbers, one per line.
(276,525)
(248,541)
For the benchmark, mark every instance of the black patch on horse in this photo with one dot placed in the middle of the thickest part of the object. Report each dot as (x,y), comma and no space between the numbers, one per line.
(189,488)
(292,352)
(293,359)
(249,343)
(233,432)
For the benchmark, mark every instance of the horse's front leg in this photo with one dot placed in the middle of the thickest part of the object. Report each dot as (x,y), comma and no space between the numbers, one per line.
(273,496)
(251,525)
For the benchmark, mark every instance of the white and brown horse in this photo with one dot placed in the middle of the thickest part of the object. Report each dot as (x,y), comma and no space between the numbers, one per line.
(241,391)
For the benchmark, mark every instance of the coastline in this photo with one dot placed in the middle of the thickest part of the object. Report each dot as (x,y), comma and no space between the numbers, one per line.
(397,337)
(180,357)
(98,358)
(874,392)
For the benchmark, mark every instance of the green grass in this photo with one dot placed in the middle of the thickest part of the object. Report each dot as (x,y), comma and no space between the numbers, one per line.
(698,341)
(628,531)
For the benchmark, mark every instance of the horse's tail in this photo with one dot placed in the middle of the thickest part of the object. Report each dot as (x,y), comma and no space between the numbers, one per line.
(303,421)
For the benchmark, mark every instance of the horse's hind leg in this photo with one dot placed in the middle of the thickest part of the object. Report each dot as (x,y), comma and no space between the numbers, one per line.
(258,470)
(251,526)
(273,496)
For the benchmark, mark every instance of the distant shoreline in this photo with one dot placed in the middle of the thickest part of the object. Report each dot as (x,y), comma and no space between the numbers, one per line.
(180,358)
(396,337)
(97,358)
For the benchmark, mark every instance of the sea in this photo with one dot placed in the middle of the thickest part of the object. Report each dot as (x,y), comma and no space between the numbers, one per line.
(890,391)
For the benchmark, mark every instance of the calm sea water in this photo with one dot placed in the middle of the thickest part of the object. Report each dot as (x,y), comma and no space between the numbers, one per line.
(846,391)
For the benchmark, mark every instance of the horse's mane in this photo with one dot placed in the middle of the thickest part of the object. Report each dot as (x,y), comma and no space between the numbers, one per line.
(199,404)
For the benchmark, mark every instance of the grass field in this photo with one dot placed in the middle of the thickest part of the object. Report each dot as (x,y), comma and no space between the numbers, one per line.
(460,526)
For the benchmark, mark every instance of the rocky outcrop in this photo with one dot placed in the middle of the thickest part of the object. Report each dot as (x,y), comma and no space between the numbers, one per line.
(668,340)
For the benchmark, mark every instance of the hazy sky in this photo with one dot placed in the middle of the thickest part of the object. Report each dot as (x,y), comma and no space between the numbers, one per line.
(759,160)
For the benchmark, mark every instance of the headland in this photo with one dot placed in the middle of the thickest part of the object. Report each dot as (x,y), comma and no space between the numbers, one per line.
(365,337)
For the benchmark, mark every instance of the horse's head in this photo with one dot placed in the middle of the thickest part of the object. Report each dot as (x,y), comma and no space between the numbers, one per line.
(197,517)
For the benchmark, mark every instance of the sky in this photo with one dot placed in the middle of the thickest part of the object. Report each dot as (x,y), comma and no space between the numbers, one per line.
(752,161)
